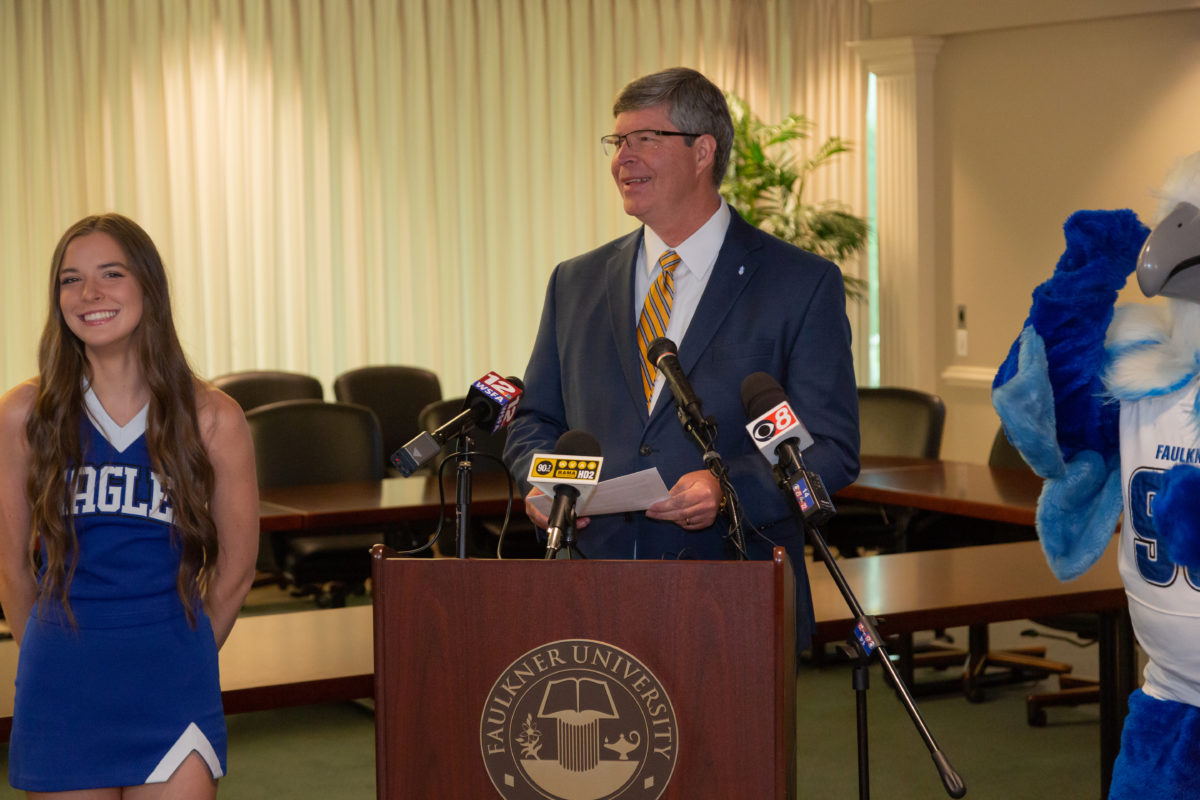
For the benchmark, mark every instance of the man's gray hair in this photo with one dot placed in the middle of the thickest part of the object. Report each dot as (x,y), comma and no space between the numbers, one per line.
(694,104)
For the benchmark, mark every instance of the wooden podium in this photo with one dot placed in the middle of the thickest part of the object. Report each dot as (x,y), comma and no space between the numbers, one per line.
(581,680)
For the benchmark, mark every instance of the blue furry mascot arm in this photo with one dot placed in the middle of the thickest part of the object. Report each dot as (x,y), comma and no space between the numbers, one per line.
(1049,393)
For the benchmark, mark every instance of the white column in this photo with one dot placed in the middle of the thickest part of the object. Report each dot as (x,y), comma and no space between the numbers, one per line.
(904,165)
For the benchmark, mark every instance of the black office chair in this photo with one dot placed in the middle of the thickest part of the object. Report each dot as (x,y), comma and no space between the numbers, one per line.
(396,394)
(306,442)
(892,421)
(1072,689)
(255,388)
(520,540)
(1003,454)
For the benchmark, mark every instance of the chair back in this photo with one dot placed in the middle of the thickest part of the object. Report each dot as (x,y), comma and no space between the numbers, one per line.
(255,388)
(300,442)
(434,415)
(894,421)
(1003,453)
(395,393)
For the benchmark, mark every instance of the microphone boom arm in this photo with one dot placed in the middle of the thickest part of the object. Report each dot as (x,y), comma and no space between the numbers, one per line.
(865,638)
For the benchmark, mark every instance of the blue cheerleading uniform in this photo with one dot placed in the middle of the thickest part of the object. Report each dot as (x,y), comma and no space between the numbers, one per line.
(122,697)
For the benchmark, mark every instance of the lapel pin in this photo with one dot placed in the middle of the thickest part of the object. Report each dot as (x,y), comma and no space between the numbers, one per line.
(742,270)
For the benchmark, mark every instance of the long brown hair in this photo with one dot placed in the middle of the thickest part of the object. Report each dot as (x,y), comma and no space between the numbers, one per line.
(177,451)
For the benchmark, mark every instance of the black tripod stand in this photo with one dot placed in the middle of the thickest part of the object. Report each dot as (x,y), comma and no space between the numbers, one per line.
(810,499)
(567,549)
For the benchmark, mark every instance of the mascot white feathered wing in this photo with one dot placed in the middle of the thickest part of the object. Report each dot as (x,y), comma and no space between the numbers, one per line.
(1104,403)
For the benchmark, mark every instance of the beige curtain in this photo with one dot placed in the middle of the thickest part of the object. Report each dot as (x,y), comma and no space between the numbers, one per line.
(345,182)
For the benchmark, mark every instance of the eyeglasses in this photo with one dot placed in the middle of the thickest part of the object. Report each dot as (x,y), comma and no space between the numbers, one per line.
(639,140)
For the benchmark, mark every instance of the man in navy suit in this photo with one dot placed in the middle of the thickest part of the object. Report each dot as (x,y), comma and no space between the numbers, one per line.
(743,301)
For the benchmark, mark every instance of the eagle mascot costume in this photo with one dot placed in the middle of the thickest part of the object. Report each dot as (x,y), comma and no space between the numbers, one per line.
(1103,402)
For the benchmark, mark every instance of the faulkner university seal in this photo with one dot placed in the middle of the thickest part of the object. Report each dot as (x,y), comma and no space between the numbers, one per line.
(578,719)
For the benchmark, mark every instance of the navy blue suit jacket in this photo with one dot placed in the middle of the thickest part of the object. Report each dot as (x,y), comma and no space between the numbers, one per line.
(768,306)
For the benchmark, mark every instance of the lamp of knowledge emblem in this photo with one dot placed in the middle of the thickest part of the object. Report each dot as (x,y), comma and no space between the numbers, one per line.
(578,719)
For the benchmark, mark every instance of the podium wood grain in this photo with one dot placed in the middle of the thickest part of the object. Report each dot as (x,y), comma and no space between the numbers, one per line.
(718,635)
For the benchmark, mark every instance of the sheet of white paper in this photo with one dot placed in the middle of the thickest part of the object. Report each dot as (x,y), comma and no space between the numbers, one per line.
(635,492)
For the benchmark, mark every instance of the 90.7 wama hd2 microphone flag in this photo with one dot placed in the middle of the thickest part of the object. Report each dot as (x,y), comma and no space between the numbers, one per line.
(570,474)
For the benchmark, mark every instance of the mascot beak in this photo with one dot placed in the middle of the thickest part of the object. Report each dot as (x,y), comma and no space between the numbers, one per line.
(1167,261)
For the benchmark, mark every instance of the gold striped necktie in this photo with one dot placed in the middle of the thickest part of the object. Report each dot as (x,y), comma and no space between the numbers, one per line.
(656,313)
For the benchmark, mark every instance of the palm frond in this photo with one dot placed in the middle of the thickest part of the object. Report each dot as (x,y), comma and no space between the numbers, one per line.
(766,181)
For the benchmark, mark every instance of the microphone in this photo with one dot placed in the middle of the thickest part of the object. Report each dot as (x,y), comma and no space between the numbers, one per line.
(490,404)
(664,355)
(780,437)
(772,421)
(570,474)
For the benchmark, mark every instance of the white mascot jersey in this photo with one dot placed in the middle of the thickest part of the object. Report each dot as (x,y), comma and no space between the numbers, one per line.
(1164,599)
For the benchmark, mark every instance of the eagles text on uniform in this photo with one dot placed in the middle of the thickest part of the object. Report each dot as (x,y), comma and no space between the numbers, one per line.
(116,489)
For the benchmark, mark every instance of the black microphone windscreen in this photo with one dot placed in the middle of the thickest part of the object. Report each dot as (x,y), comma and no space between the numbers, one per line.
(659,348)
(761,393)
(577,443)
(485,408)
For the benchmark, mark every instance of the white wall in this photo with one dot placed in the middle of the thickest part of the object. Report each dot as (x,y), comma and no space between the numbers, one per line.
(1032,122)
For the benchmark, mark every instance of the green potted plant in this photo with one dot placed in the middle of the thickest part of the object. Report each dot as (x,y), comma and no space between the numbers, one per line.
(765,183)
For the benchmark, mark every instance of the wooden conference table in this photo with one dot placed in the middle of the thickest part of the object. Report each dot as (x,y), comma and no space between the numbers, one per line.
(373,503)
(970,490)
(319,656)
(271,661)
(912,591)
(924,593)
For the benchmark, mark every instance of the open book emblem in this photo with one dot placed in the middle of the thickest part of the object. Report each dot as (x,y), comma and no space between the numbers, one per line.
(579,720)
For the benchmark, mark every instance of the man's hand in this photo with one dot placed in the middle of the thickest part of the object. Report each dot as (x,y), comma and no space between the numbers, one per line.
(539,519)
(693,504)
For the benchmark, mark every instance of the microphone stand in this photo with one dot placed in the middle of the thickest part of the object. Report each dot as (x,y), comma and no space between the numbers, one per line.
(462,494)
(569,540)
(704,431)
(568,543)
(867,643)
